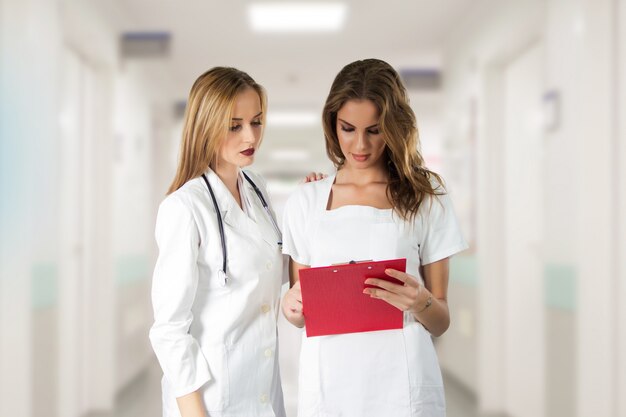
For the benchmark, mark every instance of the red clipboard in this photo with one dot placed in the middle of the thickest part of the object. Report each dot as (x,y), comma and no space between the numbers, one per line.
(333,301)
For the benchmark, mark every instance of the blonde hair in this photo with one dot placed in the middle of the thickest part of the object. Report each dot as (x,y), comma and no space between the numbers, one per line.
(207,119)
(377,81)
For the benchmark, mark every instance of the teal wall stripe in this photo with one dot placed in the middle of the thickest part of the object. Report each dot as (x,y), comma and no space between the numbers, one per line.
(560,286)
(44,285)
(464,270)
(131,268)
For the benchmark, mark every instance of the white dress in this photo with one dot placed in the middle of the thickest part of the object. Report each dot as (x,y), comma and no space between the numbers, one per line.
(383,373)
(216,337)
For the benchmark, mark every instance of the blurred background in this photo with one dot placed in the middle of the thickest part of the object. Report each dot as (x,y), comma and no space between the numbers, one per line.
(520,106)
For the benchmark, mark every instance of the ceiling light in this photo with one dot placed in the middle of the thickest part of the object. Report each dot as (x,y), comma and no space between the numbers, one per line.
(297,17)
(292,119)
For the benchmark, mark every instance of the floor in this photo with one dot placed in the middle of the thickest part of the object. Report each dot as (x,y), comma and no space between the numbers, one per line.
(142,398)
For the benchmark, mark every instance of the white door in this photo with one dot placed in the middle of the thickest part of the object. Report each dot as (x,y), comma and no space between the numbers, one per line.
(71,238)
(523,294)
(621,244)
(86,302)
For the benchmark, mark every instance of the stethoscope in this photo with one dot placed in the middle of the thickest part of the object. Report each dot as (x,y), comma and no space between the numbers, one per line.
(222,273)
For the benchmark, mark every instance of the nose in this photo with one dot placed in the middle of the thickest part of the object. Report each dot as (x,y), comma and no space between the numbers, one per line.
(248,135)
(361,140)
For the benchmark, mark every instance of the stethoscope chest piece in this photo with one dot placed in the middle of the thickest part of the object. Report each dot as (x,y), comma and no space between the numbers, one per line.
(222,277)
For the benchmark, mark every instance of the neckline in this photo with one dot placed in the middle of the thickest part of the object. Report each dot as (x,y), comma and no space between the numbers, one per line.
(231,203)
(360,207)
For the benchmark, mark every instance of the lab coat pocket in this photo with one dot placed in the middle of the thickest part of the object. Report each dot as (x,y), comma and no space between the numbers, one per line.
(427,396)
(217,391)
(210,278)
(423,363)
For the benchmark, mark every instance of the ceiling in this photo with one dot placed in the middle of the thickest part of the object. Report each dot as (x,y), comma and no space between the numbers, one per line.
(297,69)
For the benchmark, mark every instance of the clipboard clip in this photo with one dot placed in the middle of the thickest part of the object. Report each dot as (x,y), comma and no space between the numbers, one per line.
(352,262)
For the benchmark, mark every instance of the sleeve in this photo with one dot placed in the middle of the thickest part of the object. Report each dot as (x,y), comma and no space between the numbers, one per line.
(441,235)
(174,285)
(295,236)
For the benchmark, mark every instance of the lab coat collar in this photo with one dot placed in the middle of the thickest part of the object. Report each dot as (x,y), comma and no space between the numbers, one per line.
(262,221)
(234,216)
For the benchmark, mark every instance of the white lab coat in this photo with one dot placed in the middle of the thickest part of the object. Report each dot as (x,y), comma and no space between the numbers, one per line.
(221,339)
(372,374)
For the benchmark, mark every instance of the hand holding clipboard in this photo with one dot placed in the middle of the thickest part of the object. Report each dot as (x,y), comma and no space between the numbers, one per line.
(334,302)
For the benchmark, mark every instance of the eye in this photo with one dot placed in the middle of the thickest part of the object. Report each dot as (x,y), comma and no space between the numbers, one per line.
(235,128)
(256,123)
(374,131)
(347,129)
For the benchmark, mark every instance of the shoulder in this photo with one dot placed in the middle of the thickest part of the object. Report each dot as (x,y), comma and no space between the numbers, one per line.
(185,198)
(309,195)
(434,204)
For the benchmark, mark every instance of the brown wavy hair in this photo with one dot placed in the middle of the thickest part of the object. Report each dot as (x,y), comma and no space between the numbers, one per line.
(207,119)
(375,80)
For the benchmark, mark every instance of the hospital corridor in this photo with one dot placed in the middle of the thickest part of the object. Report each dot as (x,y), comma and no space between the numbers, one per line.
(520,107)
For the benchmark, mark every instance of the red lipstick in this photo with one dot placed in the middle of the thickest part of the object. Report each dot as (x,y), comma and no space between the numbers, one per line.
(360,158)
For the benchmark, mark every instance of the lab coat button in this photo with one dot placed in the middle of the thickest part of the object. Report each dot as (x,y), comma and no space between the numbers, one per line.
(268,266)
(263,398)
(268,353)
(265,308)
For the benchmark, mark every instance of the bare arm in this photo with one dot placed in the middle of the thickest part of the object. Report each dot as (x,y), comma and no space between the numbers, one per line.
(191,405)
(292,302)
(436,318)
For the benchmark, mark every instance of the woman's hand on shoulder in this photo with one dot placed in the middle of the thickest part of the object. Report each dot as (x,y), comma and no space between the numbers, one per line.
(314,176)
(292,305)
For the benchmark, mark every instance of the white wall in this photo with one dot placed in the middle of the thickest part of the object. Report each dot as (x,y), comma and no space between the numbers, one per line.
(61,260)
(597,232)
(29,43)
(134,116)
(133,219)
(621,207)
(581,248)
(564,55)
(473,62)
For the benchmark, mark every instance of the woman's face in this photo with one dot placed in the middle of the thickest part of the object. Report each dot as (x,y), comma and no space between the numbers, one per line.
(245,131)
(359,135)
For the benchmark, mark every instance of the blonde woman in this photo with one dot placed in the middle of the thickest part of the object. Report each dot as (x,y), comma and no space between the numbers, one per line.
(383,203)
(216,284)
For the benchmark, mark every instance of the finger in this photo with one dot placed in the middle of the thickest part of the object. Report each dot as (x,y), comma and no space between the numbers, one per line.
(398,298)
(295,307)
(290,309)
(395,300)
(296,296)
(407,279)
(389,286)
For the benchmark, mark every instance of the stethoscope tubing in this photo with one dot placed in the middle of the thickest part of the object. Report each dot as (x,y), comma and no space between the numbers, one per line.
(220,222)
